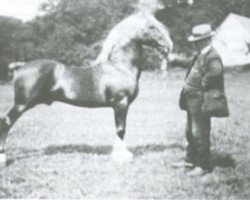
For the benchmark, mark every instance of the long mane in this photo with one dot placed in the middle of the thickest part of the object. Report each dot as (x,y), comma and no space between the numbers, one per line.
(119,36)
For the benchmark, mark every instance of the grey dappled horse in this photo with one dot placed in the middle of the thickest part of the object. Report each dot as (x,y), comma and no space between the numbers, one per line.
(110,81)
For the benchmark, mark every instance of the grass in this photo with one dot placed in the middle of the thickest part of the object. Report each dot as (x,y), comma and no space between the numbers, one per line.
(64,151)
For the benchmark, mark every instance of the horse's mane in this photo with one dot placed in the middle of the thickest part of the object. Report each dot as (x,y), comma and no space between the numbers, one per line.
(117,37)
(124,32)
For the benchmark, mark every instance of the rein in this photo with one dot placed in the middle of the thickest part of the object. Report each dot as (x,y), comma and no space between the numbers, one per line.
(164,72)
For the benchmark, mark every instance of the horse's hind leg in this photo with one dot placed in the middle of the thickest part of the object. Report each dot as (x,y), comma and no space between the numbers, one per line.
(6,123)
(120,152)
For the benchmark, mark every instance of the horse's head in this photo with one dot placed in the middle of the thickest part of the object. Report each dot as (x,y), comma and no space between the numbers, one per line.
(153,33)
(164,44)
(156,35)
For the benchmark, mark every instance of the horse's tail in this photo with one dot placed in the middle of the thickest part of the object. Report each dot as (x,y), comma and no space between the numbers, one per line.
(16,65)
(13,67)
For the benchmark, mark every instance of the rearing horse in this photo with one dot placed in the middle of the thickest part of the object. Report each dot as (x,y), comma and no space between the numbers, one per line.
(110,81)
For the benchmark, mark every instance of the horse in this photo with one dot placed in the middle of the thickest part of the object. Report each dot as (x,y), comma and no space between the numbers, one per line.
(109,81)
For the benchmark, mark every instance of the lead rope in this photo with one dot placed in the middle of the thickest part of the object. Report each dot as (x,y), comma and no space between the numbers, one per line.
(164,72)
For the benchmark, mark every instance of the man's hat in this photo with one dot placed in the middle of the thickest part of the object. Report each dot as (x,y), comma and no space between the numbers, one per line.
(201,32)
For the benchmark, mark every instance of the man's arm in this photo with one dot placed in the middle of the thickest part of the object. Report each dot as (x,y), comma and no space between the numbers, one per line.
(180,61)
(215,70)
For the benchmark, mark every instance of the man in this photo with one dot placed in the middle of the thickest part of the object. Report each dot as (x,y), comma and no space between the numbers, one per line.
(205,73)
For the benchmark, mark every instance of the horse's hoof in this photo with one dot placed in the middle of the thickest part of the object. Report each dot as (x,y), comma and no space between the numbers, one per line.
(3,160)
(121,157)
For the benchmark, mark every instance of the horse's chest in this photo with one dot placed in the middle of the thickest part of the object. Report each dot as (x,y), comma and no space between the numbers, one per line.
(119,82)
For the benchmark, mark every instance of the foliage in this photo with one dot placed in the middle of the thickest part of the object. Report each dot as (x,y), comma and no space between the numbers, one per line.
(72,31)
(181,19)
(8,52)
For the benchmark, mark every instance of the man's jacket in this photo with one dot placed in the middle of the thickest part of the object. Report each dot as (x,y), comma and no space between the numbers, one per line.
(205,72)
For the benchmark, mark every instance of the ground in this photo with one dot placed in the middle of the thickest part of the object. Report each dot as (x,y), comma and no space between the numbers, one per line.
(64,151)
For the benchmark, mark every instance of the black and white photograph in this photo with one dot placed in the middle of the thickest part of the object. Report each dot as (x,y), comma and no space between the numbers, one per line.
(124,99)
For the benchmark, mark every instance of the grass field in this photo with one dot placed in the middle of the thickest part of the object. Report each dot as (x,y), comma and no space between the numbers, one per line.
(64,151)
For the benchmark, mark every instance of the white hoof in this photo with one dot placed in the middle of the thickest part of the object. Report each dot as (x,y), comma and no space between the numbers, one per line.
(3,160)
(121,157)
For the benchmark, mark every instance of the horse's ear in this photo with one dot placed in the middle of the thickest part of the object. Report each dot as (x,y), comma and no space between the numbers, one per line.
(190,2)
(161,5)
(185,2)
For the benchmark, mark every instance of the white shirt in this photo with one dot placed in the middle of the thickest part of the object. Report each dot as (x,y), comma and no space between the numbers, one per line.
(206,49)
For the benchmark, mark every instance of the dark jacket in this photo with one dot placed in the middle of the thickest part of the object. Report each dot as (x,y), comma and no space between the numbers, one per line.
(206,76)
(212,69)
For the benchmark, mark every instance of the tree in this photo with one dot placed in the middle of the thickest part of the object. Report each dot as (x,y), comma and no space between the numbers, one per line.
(8,51)
(181,19)
(73,31)
(69,30)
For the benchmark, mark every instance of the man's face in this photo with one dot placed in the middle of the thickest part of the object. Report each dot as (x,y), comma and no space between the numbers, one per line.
(200,44)
(196,45)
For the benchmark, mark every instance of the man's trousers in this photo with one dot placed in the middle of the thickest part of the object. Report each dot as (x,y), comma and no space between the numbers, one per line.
(197,131)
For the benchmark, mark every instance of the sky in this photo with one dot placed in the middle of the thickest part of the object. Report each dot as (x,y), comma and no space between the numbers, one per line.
(21,9)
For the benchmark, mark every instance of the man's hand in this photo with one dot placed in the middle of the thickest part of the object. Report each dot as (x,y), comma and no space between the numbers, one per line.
(178,60)
(171,57)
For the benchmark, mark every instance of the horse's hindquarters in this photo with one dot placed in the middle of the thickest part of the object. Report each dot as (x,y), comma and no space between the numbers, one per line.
(33,82)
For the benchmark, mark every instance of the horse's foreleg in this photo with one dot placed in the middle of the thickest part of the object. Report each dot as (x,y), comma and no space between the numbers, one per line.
(6,122)
(120,152)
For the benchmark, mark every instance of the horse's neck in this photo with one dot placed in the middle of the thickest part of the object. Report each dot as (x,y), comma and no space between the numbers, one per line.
(128,57)
(123,47)
(121,37)
(128,53)
(125,59)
